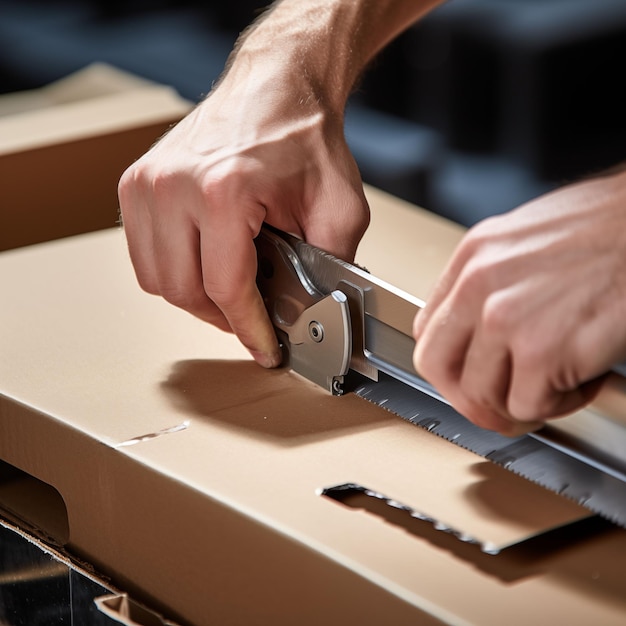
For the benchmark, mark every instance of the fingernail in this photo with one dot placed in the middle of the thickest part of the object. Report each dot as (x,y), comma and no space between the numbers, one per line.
(518,429)
(267,360)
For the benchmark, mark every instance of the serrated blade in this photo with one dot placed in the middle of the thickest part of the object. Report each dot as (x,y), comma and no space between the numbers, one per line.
(584,468)
(532,457)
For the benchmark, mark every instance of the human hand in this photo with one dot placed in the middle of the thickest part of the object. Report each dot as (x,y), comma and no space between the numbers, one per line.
(267,145)
(530,311)
(259,149)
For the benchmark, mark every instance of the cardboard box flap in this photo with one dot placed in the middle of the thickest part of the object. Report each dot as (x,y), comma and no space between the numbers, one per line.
(63,148)
(128,367)
(74,120)
(178,458)
(93,81)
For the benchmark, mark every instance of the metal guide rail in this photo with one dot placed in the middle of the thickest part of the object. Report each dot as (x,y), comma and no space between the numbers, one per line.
(347,330)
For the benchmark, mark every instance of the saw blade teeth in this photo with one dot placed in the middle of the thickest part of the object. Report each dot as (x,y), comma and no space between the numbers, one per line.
(600,492)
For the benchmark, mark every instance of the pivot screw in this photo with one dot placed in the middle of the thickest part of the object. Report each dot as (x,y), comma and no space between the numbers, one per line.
(316,331)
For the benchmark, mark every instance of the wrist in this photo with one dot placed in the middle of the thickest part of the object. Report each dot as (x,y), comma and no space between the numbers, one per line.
(322,46)
(298,56)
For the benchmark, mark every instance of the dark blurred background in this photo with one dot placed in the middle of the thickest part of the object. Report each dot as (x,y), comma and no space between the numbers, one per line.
(481,106)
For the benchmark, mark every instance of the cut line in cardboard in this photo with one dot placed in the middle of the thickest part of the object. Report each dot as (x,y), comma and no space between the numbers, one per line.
(343,493)
(511,564)
(149,436)
(361,497)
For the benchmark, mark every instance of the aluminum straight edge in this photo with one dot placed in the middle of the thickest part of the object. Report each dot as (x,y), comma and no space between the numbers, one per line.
(396,309)
(388,315)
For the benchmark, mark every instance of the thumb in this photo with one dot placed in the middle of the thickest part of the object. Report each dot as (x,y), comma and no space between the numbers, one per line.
(339,228)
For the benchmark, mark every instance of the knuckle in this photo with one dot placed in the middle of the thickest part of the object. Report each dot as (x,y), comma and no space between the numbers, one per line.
(225,300)
(162,181)
(350,225)
(478,240)
(442,373)
(420,363)
(147,180)
(125,181)
(218,181)
(475,278)
(128,184)
(498,315)
(475,239)
(212,188)
(426,367)
(180,297)
(537,403)
(228,296)
(533,410)
(148,285)
(530,355)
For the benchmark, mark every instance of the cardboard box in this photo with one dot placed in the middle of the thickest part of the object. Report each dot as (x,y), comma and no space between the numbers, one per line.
(191,477)
(140,441)
(64,147)
(40,586)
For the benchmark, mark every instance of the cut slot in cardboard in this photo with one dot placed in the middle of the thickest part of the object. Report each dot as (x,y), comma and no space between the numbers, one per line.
(156,451)
(213,515)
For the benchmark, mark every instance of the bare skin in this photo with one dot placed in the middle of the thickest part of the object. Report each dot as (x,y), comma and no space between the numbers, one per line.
(531,309)
(266,145)
(529,312)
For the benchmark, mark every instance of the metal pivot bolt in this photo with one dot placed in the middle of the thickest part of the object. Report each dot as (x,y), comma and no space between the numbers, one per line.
(316,331)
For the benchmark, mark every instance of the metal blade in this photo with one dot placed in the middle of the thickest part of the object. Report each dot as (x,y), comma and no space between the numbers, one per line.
(532,457)
(382,301)
(578,460)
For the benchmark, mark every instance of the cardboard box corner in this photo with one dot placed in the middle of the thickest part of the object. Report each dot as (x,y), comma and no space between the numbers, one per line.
(63,148)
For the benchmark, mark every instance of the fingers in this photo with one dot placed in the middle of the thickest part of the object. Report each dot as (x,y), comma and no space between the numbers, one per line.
(193,243)
(207,268)
(535,396)
(442,289)
(472,371)
(472,364)
(341,222)
(482,390)
(164,249)
(441,346)
(137,225)
(469,369)
(482,358)
(229,280)
(462,346)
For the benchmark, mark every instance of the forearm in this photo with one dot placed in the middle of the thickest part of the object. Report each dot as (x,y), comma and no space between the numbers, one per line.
(323,44)
(266,146)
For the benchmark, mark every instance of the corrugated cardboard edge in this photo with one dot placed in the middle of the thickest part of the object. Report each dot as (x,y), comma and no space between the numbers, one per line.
(122,609)
(98,116)
(64,147)
(96,100)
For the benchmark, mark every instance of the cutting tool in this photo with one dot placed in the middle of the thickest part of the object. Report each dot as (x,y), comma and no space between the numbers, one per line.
(348,331)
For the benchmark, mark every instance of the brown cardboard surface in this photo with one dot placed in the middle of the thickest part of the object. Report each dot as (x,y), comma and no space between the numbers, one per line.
(64,147)
(192,476)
